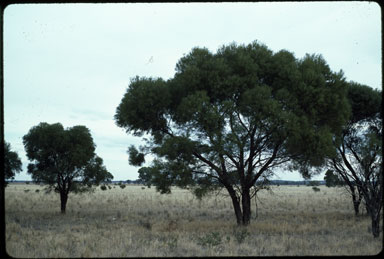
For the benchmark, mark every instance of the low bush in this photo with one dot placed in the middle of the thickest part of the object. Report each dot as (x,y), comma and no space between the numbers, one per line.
(315,189)
(210,239)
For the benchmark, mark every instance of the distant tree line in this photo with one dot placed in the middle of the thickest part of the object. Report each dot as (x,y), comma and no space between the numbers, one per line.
(137,181)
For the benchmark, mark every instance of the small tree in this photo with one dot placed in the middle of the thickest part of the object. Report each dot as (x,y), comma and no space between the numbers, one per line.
(12,163)
(359,151)
(64,159)
(331,179)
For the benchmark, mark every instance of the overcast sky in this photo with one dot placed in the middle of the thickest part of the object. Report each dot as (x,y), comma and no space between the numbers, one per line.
(72,63)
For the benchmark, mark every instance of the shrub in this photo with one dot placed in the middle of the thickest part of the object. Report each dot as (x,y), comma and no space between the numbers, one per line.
(210,239)
(315,189)
(103,187)
(240,235)
(146,224)
(172,243)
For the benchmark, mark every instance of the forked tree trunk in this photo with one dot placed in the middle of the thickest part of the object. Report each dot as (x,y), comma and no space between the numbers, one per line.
(242,209)
(236,206)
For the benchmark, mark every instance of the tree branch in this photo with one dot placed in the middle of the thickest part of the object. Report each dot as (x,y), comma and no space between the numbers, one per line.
(348,165)
(209,163)
(266,165)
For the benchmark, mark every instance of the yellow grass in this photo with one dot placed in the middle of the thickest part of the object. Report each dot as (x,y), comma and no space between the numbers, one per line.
(139,222)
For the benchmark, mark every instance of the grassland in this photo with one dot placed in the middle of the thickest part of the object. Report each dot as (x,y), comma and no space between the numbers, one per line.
(139,222)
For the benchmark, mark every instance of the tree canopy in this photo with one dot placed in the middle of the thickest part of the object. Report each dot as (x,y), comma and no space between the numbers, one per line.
(12,162)
(227,119)
(331,179)
(64,159)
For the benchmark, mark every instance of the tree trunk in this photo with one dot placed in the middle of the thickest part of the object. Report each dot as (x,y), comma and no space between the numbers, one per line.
(246,202)
(356,202)
(356,207)
(376,225)
(374,212)
(236,206)
(243,209)
(63,200)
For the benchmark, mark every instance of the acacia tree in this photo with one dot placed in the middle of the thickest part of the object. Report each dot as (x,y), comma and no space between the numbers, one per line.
(64,159)
(226,120)
(359,151)
(12,163)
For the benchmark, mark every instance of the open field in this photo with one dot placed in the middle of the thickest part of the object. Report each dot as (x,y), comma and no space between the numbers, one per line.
(139,222)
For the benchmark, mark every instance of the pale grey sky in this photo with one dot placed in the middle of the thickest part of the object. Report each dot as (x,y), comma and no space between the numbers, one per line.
(72,63)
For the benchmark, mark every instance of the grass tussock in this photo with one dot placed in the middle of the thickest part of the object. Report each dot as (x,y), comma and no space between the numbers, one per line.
(138,222)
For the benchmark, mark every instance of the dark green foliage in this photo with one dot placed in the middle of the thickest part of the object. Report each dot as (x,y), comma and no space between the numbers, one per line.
(64,159)
(122,185)
(12,163)
(146,100)
(135,158)
(228,118)
(365,102)
(331,179)
(95,172)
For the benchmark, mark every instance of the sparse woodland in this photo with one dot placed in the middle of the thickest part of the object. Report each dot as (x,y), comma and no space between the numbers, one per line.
(216,131)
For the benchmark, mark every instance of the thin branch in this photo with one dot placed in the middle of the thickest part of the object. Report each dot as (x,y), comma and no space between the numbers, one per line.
(206,174)
(242,123)
(267,164)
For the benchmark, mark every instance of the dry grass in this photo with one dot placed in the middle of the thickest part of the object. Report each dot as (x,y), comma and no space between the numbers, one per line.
(137,222)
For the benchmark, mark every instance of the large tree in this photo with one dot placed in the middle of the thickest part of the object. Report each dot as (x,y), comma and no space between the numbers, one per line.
(359,151)
(64,159)
(227,119)
(12,163)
